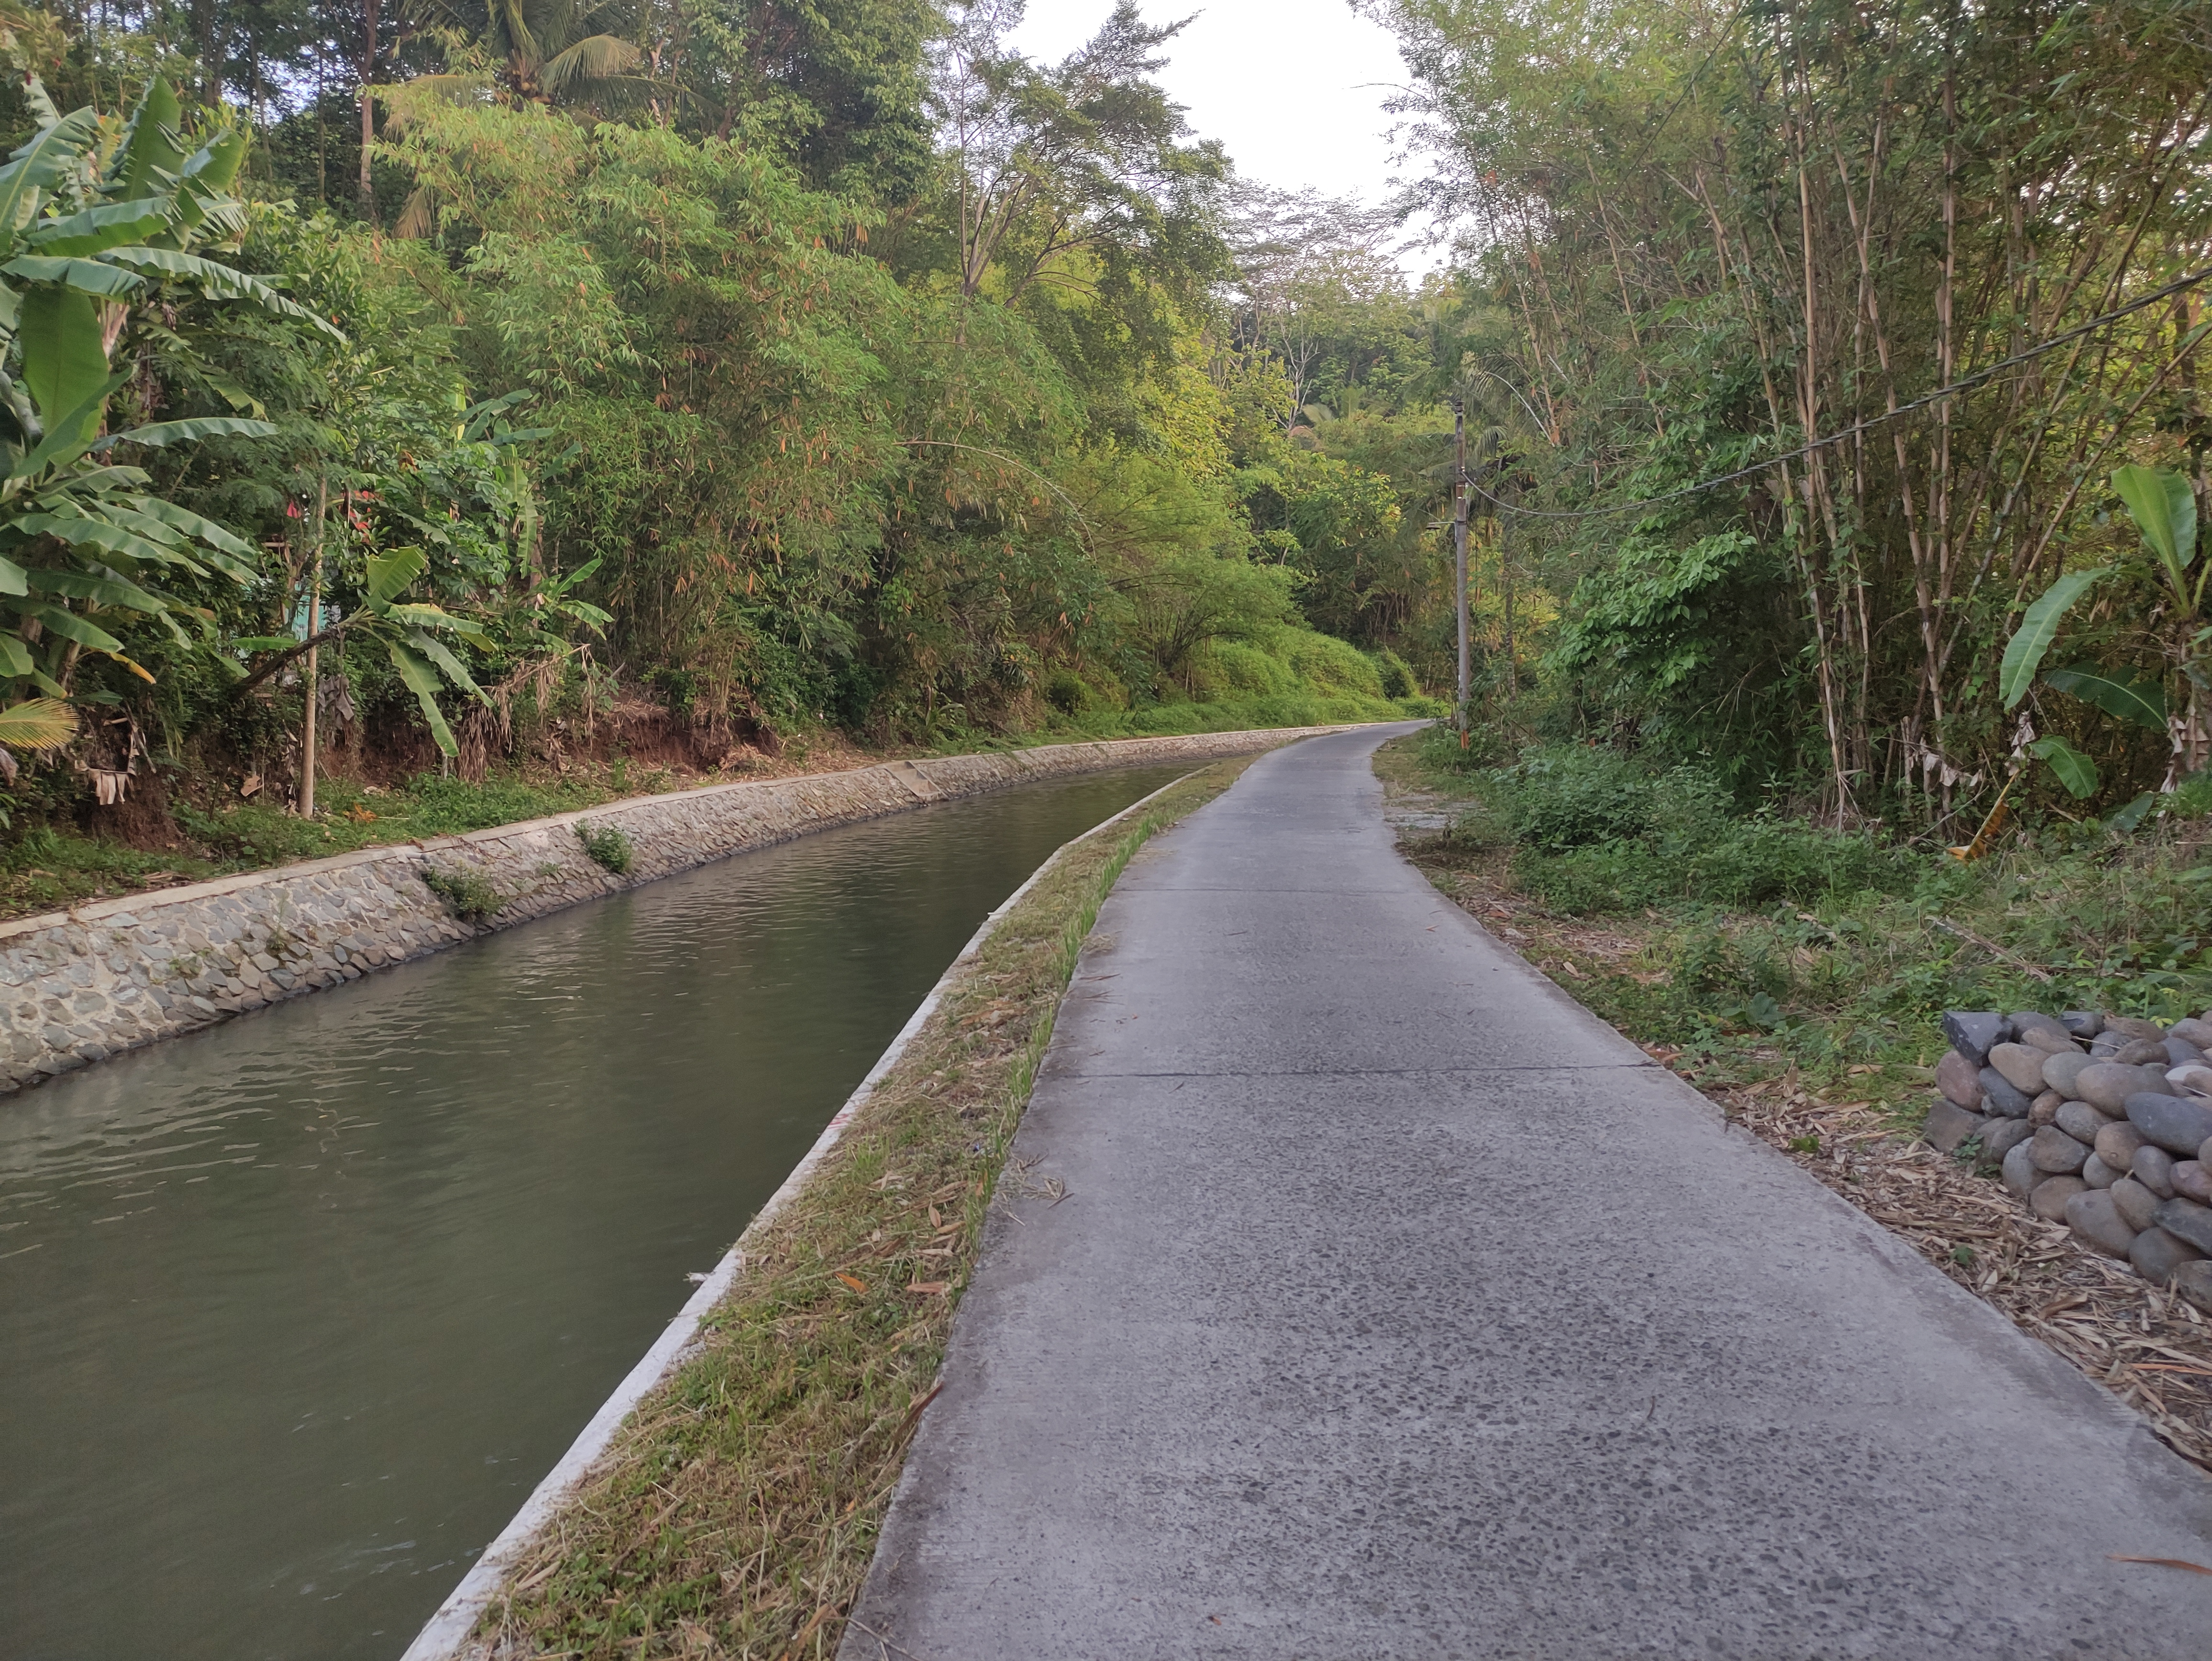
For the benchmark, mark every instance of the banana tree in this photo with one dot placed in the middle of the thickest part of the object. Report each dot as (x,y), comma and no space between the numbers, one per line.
(94,218)
(2163,505)
(407,631)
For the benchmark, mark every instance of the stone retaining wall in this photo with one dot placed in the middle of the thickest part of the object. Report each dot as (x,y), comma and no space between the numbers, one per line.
(79,985)
(2101,1122)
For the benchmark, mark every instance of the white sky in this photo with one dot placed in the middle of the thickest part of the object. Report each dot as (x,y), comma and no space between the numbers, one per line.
(1293,88)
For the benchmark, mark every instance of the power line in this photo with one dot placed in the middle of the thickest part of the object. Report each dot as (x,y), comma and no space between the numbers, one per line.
(1953,390)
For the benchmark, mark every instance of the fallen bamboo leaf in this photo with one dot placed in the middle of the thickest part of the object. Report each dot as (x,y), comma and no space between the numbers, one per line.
(853,1281)
(930,1288)
(806,1632)
(2162,1562)
(915,1412)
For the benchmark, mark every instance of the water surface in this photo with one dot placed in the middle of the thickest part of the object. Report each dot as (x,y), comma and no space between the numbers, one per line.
(296,1311)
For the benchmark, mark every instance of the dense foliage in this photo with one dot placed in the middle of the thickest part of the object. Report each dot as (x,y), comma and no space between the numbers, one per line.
(1701,240)
(839,365)
(777,368)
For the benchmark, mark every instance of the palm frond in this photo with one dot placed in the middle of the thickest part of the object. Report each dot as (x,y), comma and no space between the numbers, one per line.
(38,724)
(419,217)
(511,19)
(596,58)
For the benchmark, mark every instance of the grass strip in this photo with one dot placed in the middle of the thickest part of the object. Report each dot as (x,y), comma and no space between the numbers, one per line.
(737,1512)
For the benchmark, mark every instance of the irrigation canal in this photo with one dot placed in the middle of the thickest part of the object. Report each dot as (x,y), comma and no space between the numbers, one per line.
(295,1311)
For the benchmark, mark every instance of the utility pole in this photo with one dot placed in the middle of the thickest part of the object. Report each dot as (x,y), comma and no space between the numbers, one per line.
(1459,552)
(314,659)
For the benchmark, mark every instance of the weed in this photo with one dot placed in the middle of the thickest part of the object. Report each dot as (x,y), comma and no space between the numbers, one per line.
(468,894)
(1065,692)
(607,847)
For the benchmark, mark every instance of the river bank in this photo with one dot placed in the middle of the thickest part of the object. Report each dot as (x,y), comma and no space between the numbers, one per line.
(1803,1021)
(738,1508)
(80,986)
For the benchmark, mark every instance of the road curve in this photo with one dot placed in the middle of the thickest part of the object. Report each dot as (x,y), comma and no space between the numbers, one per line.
(1398,1306)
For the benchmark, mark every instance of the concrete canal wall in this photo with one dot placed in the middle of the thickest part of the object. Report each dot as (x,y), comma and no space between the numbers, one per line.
(79,985)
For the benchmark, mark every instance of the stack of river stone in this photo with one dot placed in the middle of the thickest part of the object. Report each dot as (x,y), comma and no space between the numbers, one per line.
(2103,1122)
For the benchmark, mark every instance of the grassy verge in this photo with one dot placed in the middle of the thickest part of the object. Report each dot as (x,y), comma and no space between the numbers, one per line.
(1808,1014)
(47,868)
(738,1511)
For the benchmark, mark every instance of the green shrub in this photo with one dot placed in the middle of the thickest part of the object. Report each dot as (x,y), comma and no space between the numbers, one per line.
(1577,796)
(467,894)
(1326,663)
(1596,832)
(1233,666)
(607,847)
(1065,692)
(1397,675)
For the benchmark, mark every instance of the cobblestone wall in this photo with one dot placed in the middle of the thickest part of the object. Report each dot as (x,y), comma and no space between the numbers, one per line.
(79,985)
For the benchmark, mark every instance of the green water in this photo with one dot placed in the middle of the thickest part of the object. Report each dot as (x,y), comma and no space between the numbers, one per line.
(295,1313)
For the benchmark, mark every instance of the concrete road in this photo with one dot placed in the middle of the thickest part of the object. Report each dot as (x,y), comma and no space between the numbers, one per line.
(1398,1306)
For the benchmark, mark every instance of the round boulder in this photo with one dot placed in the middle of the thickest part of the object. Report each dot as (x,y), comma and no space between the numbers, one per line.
(2193,1031)
(2175,1123)
(2021,1174)
(2043,1109)
(2106,1085)
(2081,1121)
(1999,1097)
(2180,1053)
(1950,1126)
(2050,1195)
(2055,1152)
(2187,1219)
(2117,1143)
(1959,1079)
(2098,1225)
(2157,1253)
(2153,1169)
(2097,1174)
(2083,1023)
(2063,1072)
(2134,1027)
(2022,1066)
(2136,1203)
(2194,1282)
(2000,1136)
(2192,1180)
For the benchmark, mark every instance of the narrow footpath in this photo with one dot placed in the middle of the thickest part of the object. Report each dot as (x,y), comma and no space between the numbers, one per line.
(1356,1293)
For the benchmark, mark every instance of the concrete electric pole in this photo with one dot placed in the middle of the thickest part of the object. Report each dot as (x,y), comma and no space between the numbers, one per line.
(1459,555)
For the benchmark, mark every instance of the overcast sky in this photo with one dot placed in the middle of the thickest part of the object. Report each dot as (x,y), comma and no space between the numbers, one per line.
(1294,89)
